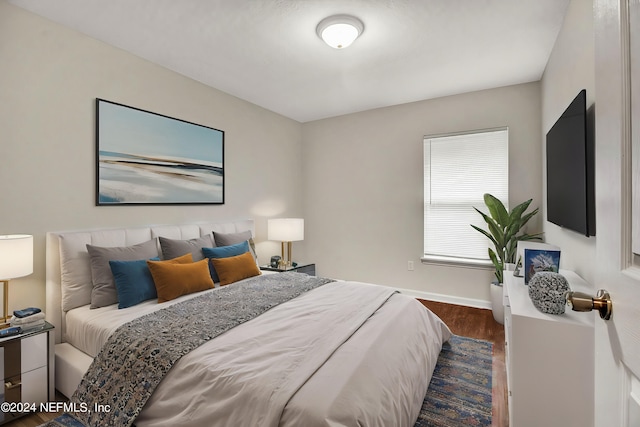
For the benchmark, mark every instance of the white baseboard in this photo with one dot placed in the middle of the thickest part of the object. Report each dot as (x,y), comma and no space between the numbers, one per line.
(449,299)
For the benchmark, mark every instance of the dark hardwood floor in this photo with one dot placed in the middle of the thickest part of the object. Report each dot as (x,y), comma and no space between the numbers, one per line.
(33,420)
(479,323)
(465,321)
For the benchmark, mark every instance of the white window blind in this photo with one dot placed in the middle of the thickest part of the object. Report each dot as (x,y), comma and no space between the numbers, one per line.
(458,170)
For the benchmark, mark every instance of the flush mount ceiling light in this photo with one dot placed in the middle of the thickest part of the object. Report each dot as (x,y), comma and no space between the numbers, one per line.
(339,31)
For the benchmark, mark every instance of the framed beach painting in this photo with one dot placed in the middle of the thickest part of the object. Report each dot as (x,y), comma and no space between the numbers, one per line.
(148,158)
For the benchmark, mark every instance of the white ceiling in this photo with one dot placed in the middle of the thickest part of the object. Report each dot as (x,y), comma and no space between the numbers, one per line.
(267,51)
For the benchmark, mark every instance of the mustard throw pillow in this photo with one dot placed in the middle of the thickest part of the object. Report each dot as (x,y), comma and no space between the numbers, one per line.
(235,268)
(174,278)
(182,259)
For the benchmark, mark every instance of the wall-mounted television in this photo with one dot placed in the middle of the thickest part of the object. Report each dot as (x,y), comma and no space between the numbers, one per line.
(570,170)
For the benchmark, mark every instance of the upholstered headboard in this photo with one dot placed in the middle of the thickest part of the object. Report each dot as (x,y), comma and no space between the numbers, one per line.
(77,256)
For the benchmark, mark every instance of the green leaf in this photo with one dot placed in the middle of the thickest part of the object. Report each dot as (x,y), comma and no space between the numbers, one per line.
(537,236)
(489,236)
(516,213)
(487,218)
(497,264)
(496,232)
(510,251)
(528,216)
(496,209)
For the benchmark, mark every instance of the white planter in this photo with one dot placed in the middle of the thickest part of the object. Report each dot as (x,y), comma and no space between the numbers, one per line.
(497,302)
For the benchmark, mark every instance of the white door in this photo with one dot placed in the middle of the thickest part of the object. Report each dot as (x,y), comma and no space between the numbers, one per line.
(617,83)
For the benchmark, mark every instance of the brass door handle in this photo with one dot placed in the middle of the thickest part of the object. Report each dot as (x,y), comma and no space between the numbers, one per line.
(579,301)
(9,385)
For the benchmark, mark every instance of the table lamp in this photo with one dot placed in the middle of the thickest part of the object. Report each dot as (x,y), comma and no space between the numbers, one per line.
(286,230)
(16,260)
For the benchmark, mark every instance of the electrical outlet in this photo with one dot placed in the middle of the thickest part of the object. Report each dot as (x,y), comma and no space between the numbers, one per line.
(410,265)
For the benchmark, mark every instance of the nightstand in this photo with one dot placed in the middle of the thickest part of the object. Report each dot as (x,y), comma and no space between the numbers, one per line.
(309,269)
(26,367)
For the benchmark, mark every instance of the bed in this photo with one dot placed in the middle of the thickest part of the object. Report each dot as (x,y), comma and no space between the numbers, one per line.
(317,353)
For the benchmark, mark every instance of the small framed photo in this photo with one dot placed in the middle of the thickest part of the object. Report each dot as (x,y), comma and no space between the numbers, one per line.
(536,260)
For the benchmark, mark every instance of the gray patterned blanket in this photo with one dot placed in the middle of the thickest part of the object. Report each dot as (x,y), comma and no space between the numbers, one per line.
(138,354)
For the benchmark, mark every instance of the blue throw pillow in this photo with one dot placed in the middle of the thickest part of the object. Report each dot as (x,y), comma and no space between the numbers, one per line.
(133,281)
(224,252)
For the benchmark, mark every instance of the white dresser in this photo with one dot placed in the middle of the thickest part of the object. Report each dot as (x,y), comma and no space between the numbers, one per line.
(549,359)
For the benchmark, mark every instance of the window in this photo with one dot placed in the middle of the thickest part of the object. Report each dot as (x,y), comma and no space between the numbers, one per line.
(458,170)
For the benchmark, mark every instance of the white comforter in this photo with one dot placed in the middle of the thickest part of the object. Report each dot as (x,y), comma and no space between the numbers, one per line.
(332,357)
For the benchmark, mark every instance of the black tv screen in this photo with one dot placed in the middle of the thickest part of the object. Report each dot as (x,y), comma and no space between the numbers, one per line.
(570,201)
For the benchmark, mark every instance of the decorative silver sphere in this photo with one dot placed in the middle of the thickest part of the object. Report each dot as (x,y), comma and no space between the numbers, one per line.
(547,292)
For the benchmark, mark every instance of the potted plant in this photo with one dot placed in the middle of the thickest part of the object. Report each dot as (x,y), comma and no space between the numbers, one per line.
(504,231)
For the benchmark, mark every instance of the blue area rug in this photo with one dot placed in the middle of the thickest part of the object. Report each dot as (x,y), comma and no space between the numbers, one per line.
(460,390)
(64,420)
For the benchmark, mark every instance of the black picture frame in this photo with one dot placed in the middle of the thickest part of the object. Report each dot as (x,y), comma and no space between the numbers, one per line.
(146,158)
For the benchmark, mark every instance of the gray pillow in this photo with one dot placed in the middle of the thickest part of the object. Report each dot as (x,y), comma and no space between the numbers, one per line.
(172,248)
(228,239)
(104,291)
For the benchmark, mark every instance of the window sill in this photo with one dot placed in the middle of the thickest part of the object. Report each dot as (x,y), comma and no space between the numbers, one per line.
(457,262)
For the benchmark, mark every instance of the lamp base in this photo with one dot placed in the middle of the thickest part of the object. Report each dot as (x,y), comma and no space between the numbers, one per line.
(5,299)
(285,261)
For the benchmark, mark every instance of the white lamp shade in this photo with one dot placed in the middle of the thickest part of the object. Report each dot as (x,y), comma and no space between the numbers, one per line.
(16,256)
(285,229)
(339,31)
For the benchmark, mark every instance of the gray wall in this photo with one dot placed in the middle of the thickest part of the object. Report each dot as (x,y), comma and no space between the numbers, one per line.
(364,192)
(571,68)
(49,81)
